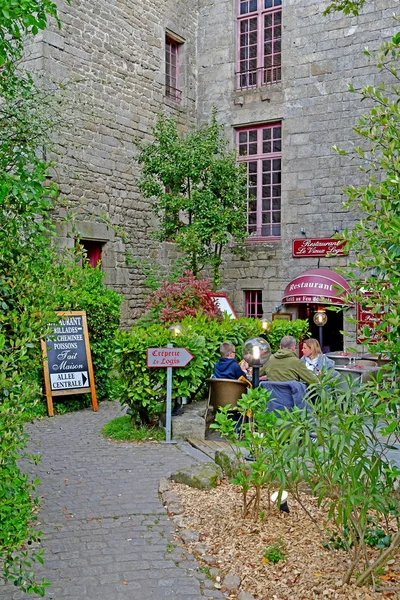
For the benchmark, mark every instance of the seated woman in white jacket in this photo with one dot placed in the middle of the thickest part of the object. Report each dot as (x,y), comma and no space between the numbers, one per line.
(313,358)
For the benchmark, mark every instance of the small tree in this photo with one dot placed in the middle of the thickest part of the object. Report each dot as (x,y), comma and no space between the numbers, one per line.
(199,189)
(375,239)
(185,297)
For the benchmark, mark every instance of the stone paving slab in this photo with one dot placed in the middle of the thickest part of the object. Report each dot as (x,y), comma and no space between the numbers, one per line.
(106,534)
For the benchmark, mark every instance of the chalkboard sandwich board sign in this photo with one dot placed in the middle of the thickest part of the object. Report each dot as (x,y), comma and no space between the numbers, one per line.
(67,361)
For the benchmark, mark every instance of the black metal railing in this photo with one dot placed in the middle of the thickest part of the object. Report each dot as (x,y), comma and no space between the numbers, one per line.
(254,78)
(173,93)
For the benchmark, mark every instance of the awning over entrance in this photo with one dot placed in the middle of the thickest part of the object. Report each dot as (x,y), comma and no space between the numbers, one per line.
(319,286)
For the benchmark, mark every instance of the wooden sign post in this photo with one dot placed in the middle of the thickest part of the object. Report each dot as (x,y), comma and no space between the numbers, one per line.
(67,361)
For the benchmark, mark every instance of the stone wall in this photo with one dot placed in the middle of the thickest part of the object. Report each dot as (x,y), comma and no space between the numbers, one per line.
(320,56)
(111,58)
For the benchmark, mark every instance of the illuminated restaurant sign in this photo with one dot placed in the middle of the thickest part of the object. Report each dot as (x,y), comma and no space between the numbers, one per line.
(310,247)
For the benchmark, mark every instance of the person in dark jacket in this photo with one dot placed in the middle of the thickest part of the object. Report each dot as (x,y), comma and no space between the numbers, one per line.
(285,366)
(227,366)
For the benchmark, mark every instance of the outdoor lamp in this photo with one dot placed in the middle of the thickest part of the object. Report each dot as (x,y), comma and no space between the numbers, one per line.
(265,324)
(176,329)
(256,352)
(320,318)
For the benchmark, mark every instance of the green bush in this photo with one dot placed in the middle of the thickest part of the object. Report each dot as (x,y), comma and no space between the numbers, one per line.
(87,291)
(144,389)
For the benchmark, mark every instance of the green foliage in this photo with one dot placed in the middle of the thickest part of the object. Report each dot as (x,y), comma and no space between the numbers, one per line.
(35,281)
(200,191)
(374,240)
(348,469)
(122,429)
(349,7)
(79,287)
(186,296)
(144,390)
(19,18)
(275,551)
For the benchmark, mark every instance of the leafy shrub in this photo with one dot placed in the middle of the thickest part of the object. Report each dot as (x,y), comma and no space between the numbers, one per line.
(274,552)
(144,390)
(86,291)
(186,296)
(348,470)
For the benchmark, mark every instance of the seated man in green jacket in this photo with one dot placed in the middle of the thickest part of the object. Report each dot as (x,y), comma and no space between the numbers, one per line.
(285,366)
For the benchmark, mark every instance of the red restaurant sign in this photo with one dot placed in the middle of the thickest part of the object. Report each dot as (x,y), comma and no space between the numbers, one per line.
(305,247)
(365,317)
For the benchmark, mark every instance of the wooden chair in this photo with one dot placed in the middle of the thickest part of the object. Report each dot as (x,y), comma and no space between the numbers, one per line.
(224,391)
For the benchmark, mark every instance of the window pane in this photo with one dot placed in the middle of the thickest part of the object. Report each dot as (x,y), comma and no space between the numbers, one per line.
(276,165)
(276,191)
(266,147)
(277,146)
(253,206)
(276,177)
(266,218)
(252,218)
(266,205)
(264,177)
(276,204)
(253,135)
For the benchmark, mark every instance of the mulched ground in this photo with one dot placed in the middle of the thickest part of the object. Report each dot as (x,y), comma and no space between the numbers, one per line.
(308,572)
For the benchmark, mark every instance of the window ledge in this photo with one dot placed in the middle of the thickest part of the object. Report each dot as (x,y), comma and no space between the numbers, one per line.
(262,240)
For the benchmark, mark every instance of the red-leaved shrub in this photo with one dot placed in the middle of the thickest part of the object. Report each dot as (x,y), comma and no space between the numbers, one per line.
(187,296)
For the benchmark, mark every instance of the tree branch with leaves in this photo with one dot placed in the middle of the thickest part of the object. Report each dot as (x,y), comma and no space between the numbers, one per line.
(199,191)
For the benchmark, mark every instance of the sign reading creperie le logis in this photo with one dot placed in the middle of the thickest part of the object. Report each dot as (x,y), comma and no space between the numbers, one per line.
(168,357)
(305,247)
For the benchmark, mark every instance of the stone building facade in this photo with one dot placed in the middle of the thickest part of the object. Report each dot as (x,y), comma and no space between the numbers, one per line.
(277,72)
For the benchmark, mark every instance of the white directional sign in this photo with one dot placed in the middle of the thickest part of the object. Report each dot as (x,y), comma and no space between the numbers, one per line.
(66,381)
(168,357)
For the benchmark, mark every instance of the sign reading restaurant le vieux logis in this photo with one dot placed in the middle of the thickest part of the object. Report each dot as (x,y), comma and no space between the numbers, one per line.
(309,247)
(67,359)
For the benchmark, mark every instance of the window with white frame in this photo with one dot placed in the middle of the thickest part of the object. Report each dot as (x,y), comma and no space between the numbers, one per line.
(172,91)
(260,147)
(259,43)
(253,303)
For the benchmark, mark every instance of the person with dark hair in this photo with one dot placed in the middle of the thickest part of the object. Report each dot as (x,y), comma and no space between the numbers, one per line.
(285,366)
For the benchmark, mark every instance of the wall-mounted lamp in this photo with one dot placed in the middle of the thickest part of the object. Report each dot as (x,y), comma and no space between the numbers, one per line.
(336,228)
(265,324)
(176,329)
(303,230)
(278,307)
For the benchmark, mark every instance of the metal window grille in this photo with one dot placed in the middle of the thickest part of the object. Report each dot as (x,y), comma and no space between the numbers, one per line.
(260,147)
(253,303)
(259,43)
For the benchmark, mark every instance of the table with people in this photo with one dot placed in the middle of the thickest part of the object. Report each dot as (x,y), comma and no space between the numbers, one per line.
(289,378)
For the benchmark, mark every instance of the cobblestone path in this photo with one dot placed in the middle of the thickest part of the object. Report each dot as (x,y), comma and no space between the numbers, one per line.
(105,533)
